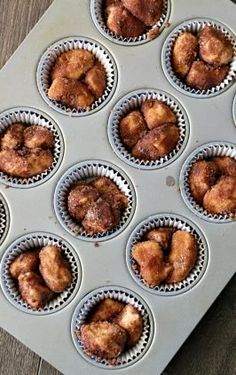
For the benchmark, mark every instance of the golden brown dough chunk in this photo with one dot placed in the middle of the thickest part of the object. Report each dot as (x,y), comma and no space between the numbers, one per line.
(157,113)
(99,217)
(184,53)
(38,160)
(79,200)
(36,136)
(203,76)
(106,310)
(73,64)
(33,290)
(215,48)
(202,176)
(149,12)
(26,262)
(110,192)
(54,269)
(13,137)
(96,79)
(226,165)
(121,22)
(70,92)
(149,256)
(183,255)
(162,236)
(130,319)
(221,198)
(103,339)
(132,128)
(157,142)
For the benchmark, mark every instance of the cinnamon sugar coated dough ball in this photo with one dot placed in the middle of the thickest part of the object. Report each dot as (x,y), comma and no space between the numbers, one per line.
(149,12)
(55,269)
(157,142)
(202,176)
(225,165)
(96,79)
(73,64)
(36,136)
(106,310)
(130,319)
(215,48)
(99,217)
(103,339)
(183,255)
(157,113)
(150,258)
(184,53)
(221,198)
(110,192)
(204,76)
(79,200)
(13,137)
(121,22)
(132,127)
(161,235)
(33,290)
(71,92)
(28,261)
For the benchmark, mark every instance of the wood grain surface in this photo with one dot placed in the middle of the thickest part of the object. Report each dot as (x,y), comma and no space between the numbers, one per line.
(210,349)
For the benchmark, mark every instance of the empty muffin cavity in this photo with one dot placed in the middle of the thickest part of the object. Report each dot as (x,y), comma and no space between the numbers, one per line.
(4,219)
(31,242)
(205,152)
(175,223)
(133,102)
(31,117)
(228,71)
(90,99)
(148,33)
(83,312)
(87,172)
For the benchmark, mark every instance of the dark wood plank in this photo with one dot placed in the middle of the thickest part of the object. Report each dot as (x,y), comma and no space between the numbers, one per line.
(15,358)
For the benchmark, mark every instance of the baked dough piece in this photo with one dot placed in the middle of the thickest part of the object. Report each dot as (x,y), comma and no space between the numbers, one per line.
(162,236)
(131,320)
(149,12)
(221,198)
(204,76)
(132,128)
(202,176)
(225,165)
(184,53)
(106,310)
(13,138)
(157,113)
(28,261)
(96,79)
(79,200)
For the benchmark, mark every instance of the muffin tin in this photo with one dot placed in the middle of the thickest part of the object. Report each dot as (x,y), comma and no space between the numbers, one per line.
(155,193)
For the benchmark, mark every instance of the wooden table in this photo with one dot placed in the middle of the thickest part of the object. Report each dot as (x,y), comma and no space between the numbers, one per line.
(210,349)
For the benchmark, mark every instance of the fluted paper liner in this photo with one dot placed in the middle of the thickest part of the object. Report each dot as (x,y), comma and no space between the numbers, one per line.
(4,219)
(87,171)
(30,116)
(36,241)
(49,58)
(204,152)
(133,101)
(179,223)
(97,8)
(82,311)
(194,26)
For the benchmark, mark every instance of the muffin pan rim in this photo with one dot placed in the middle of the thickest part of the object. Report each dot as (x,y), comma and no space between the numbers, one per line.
(7,216)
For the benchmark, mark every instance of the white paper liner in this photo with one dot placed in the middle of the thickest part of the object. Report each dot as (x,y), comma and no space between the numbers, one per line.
(234,110)
(133,101)
(179,223)
(206,151)
(98,16)
(47,62)
(4,219)
(86,171)
(194,26)
(82,311)
(30,116)
(33,241)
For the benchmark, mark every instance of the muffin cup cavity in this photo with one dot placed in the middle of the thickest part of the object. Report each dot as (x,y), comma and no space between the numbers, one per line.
(98,16)
(48,60)
(133,101)
(35,241)
(82,311)
(4,219)
(31,116)
(87,171)
(204,152)
(179,223)
(194,26)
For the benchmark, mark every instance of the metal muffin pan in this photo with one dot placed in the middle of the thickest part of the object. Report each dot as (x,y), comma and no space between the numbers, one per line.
(104,262)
